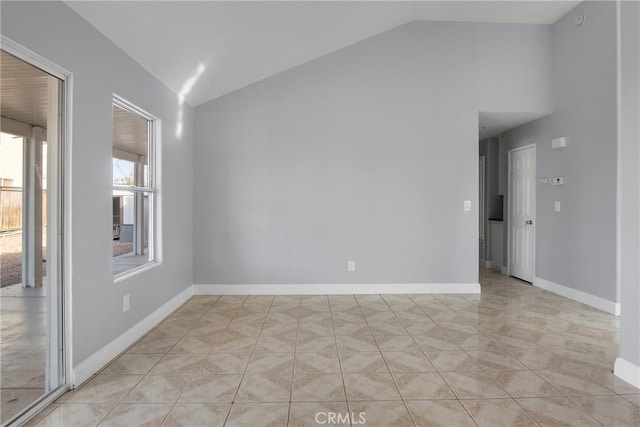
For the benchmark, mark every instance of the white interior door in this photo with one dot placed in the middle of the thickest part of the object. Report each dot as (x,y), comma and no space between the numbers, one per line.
(522,173)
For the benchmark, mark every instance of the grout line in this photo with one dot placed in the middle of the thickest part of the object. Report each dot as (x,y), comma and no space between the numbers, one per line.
(393,379)
(253,350)
(335,337)
(293,367)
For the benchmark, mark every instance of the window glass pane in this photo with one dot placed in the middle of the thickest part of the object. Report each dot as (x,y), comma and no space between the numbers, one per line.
(131,228)
(131,148)
(123,172)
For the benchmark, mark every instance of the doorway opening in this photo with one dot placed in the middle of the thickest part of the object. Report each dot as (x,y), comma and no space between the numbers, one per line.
(32,347)
(507,207)
(490,202)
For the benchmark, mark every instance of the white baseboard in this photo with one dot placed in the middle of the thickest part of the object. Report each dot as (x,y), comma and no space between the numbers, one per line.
(504,271)
(580,296)
(627,372)
(337,289)
(100,358)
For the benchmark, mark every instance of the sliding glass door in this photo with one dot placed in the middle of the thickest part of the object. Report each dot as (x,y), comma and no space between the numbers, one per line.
(31,236)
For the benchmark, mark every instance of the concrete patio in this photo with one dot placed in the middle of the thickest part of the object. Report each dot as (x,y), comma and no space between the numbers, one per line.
(23,347)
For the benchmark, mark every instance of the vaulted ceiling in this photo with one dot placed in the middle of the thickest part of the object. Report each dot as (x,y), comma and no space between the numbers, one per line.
(205,49)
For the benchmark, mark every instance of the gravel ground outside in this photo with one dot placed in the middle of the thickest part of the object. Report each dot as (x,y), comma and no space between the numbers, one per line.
(11,259)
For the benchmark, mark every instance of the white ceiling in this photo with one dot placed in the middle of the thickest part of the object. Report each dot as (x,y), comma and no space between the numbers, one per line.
(216,47)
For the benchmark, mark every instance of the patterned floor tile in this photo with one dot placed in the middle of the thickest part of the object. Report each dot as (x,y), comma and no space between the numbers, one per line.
(162,388)
(439,413)
(197,415)
(317,387)
(327,362)
(265,388)
(225,363)
(362,361)
(472,385)
(211,388)
(422,385)
(76,415)
(313,414)
(557,412)
(370,386)
(499,413)
(258,414)
(137,414)
(380,413)
(407,361)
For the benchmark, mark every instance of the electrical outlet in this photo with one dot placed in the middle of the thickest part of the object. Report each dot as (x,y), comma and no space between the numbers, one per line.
(467,205)
(125,303)
(556,206)
(351,266)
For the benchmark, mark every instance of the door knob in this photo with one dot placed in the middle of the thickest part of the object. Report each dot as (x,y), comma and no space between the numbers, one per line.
(528,222)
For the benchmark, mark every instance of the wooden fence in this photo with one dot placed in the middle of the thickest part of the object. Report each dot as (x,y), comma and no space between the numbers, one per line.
(11,209)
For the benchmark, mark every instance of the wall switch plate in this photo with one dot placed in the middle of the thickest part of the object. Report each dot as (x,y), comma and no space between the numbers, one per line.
(351,266)
(556,206)
(125,303)
(558,180)
(559,142)
(467,205)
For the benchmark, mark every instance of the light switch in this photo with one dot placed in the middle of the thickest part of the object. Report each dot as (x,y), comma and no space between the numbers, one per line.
(556,206)
(467,205)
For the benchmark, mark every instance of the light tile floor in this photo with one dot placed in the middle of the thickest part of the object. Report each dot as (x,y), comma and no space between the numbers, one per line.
(513,356)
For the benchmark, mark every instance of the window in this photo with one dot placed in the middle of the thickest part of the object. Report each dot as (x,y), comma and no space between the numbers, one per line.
(134,192)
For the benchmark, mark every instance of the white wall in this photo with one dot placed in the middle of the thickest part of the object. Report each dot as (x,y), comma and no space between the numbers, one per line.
(630,192)
(100,69)
(366,154)
(577,246)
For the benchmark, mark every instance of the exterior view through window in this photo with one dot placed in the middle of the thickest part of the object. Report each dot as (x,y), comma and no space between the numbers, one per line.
(133,189)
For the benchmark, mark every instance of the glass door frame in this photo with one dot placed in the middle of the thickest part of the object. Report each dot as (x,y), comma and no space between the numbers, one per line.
(59,240)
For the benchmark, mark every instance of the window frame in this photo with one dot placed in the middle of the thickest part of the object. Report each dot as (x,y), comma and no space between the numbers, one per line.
(152,188)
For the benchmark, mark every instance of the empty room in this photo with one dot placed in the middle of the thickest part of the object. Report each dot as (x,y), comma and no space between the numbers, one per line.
(353,213)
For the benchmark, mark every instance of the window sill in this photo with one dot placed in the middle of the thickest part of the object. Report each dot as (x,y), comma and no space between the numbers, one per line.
(125,275)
